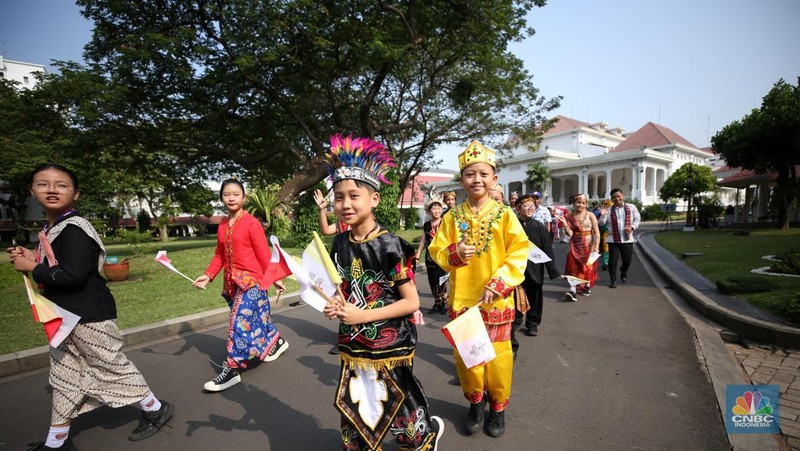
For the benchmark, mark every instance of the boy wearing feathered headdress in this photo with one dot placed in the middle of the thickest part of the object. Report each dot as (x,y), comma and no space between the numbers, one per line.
(377,390)
(483,246)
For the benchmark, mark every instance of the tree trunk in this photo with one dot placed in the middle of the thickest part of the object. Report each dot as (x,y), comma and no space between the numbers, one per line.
(301,181)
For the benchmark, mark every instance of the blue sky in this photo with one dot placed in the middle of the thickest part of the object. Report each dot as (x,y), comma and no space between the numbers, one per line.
(691,65)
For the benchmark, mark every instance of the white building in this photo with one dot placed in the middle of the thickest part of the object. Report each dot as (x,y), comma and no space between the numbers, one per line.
(24,73)
(593,159)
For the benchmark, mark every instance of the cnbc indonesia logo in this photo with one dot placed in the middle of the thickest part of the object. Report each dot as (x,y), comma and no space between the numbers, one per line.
(752,410)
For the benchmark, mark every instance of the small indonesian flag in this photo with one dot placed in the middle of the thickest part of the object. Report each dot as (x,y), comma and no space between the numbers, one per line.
(161,257)
(58,322)
(468,335)
(281,265)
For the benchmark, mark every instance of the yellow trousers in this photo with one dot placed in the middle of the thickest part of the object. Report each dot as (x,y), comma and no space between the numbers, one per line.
(493,377)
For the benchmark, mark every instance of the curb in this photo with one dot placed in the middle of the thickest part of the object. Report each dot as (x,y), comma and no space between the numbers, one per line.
(38,358)
(745,326)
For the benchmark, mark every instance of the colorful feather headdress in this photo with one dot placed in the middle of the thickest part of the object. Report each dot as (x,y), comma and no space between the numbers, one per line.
(359,159)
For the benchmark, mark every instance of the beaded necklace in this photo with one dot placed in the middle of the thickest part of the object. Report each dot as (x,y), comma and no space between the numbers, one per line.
(476,224)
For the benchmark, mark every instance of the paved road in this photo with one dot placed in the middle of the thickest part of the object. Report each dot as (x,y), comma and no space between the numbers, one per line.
(617,370)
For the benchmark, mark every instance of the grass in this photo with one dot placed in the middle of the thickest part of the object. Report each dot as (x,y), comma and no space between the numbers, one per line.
(728,259)
(152,293)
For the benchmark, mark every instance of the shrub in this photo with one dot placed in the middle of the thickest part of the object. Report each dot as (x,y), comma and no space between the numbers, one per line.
(653,213)
(412,217)
(792,311)
(789,263)
(306,215)
(136,240)
(143,221)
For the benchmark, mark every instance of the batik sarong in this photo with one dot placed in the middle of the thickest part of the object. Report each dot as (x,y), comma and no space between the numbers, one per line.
(251,333)
(88,370)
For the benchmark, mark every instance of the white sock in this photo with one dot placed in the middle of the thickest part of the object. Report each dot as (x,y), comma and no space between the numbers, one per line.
(150,403)
(57,436)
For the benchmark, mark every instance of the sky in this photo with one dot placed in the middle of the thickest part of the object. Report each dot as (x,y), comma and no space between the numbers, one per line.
(693,66)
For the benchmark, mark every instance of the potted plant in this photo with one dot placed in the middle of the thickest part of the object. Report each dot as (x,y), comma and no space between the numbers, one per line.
(115,270)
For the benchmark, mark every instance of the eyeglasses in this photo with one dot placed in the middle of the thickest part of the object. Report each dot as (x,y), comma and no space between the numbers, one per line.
(58,187)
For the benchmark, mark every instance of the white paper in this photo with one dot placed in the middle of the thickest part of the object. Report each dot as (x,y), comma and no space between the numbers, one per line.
(593,257)
(537,255)
(471,339)
(444,279)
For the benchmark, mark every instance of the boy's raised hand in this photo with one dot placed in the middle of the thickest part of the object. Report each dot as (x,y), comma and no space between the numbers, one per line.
(465,251)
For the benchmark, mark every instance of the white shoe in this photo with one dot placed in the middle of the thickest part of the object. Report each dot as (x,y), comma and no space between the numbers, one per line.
(570,297)
(226,379)
(279,348)
(439,430)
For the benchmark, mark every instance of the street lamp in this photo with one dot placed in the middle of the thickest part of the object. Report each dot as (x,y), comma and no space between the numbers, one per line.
(689,192)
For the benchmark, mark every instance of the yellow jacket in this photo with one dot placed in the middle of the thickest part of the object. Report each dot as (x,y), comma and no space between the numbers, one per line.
(498,264)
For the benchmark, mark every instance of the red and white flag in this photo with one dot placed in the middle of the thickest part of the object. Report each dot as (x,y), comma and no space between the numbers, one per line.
(58,322)
(162,258)
(281,265)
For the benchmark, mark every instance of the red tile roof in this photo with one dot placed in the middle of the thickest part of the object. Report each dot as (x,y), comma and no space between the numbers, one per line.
(564,124)
(652,135)
(747,177)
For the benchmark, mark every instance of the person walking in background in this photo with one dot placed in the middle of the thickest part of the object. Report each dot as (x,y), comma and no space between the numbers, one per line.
(622,220)
(242,252)
(496,192)
(534,272)
(584,239)
(88,369)
(434,271)
(484,248)
(377,392)
(604,235)
(540,212)
(449,199)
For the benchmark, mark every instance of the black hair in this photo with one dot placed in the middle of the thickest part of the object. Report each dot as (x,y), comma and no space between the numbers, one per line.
(57,167)
(360,184)
(227,182)
(435,202)
(522,198)
(615,190)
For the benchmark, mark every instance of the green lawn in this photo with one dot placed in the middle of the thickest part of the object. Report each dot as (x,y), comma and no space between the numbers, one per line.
(728,259)
(152,292)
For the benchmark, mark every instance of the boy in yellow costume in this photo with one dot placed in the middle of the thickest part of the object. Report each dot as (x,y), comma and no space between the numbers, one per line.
(484,248)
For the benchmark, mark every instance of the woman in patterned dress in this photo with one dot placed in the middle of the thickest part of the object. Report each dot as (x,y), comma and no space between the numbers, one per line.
(581,227)
(243,253)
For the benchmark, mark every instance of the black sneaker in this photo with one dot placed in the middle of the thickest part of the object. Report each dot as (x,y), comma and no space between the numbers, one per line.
(496,425)
(227,378)
(570,297)
(438,427)
(475,416)
(36,446)
(279,348)
(334,350)
(532,331)
(152,422)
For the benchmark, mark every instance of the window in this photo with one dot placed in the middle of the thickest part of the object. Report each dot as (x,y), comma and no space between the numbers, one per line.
(25,80)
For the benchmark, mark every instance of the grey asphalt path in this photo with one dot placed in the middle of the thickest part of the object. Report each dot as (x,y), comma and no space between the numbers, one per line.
(617,370)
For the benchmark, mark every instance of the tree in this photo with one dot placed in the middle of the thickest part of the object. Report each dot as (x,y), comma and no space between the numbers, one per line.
(263,84)
(264,204)
(688,183)
(537,175)
(768,140)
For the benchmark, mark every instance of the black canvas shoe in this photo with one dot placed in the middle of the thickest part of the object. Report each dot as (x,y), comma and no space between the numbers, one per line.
(280,347)
(438,426)
(532,331)
(227,378)
(496,425)
(475,416)
(37,446)
(570,297)
(152,422)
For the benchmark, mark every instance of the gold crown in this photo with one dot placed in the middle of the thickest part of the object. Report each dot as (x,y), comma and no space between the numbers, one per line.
(497,187)
(449,193)
(476,153)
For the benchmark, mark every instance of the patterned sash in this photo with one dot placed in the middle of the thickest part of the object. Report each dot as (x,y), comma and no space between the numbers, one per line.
(615,222)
